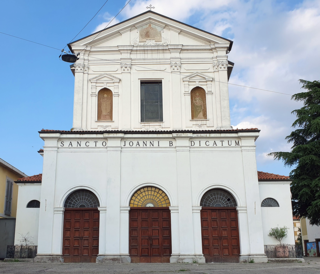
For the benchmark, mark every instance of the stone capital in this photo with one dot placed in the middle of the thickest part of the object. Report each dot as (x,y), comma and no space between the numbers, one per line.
(125,67)
(220,65)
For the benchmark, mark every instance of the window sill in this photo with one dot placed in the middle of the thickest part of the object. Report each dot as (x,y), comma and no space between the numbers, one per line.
(101,121)
(148,123)
(196,120)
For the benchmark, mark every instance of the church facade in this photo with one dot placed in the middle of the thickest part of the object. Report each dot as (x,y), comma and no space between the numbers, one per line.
(152,170)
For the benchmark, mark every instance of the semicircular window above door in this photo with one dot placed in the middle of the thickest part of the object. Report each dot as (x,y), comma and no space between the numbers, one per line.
(218,198)
(149,197)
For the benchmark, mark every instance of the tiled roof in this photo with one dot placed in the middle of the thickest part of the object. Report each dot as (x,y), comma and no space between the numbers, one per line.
(264,176)
(149,131)
(30,179)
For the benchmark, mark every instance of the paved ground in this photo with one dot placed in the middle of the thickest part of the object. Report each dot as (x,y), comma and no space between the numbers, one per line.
(311,266)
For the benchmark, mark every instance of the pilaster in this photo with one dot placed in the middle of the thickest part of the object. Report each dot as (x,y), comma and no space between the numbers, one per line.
(221,65)
(46,212)
(176,111)
(187,249)
(57,237)
(124,233)
(175,241)
(78,94)
(85,88)
(126,109)
(113,196)
(196,213)
(102,230)
(254,218)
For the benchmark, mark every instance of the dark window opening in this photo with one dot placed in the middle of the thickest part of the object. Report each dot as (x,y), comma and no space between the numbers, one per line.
(151,102)
(269,202)
(33,204)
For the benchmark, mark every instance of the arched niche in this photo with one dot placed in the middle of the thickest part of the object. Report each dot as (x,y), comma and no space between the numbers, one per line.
(198,104)
(82,198)
(149,196)
(105,105)
(218,198)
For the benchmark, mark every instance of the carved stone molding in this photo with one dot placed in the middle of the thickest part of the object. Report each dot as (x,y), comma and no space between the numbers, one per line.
(220,65)
(105,80)
(197,79)
(175,66)
(80,67)
(125,67)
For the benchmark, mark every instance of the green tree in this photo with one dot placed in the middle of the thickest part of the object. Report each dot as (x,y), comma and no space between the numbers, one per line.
(305,154)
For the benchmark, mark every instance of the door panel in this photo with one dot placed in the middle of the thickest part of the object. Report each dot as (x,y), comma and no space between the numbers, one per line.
(220,236)
(81,235)
(150,235)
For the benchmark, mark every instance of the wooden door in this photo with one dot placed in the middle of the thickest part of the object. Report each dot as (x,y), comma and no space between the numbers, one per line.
(150,235)
(220,234)
(81,235)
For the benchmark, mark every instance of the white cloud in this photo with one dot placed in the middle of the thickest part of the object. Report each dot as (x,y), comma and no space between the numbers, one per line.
(177,9)
(107,17)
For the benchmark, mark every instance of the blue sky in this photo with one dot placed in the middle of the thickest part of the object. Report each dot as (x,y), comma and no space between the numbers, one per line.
(275,44)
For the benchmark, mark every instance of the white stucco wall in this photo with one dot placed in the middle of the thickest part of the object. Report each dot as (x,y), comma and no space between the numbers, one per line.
(184,59)
(184,166)
(313,231)
(27,222)
(277,216)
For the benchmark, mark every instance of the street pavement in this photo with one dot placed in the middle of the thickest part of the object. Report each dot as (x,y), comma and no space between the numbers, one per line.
(310,266)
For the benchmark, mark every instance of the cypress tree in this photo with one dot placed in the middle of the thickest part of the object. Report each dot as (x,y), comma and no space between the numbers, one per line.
(305,154)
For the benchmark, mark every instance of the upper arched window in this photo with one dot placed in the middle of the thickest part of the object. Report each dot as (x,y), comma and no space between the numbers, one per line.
(33,204)
(149,196)
(82,198)
(218,198)
(269,202)
(198,104)
(105,105)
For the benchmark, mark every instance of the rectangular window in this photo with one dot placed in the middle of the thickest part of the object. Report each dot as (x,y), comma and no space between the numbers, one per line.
(151,102)
(9,189)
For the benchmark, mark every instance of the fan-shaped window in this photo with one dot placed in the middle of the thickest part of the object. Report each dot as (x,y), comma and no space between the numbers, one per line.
(149,197)
(33,204)
(218,198)
(269,202)
(81,199)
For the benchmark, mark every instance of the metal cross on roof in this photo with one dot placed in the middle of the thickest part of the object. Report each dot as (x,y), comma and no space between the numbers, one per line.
(150,7)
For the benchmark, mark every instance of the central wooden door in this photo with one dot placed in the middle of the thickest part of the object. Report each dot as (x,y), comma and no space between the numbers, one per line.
(220,234)
(81,235)
(150,235)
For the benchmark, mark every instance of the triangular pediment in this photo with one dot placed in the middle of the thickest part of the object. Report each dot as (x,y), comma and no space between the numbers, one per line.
(197,77)
(150,28)
(103,78)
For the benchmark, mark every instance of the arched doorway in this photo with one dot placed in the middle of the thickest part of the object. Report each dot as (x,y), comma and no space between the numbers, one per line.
(149,226)
(219,226)
(81,227)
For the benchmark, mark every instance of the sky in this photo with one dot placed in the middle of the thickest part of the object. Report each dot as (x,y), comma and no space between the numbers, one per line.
(276,43)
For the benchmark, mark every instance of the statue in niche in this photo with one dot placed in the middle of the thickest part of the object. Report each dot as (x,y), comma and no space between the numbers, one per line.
(198,104)
(105,105)
(149,33)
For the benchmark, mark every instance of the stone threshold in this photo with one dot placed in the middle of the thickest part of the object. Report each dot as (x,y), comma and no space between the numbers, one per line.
(286,260)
